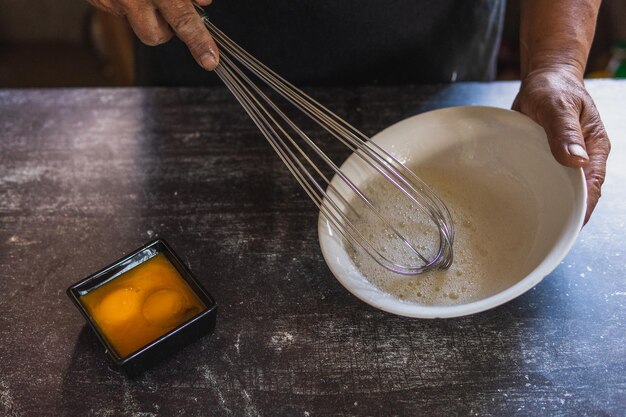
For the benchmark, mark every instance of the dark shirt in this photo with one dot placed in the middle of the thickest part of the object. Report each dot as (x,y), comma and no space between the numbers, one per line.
(325,42)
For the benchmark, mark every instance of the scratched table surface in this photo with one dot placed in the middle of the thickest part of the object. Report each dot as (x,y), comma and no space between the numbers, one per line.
(89,175)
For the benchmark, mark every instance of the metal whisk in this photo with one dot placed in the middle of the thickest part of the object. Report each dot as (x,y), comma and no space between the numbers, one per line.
(306,161)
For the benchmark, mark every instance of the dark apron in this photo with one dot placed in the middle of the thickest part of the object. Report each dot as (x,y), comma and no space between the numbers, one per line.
(347,42)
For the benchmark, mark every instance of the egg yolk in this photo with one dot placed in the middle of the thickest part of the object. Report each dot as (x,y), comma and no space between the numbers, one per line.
(142,305)
(164,307)
(119,306)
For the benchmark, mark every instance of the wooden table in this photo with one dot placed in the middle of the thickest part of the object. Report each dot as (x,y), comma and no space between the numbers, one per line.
(89,175)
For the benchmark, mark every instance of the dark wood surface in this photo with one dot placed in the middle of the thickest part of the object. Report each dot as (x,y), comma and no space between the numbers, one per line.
(89,175)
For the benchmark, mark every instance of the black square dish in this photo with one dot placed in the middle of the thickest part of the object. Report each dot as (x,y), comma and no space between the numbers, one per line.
(192,328)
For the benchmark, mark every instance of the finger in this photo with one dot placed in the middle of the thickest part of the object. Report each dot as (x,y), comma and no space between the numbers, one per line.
(517,106)
(565,136)
(203,2)
(149,26)
(107,6)
(598,148)
(183,18)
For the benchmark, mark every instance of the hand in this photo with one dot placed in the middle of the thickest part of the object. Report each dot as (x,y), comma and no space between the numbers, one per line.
(557,100)
(156,21)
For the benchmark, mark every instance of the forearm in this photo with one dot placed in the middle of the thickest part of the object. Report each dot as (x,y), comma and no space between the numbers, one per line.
(557,34)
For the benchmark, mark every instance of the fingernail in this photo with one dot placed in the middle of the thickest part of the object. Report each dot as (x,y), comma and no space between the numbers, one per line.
(208,61)
(577,151)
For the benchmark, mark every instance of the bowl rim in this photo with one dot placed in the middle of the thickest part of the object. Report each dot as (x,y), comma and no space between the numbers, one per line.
(566,240)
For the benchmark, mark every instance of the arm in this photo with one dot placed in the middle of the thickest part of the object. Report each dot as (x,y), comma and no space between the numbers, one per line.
(156,21)
(555,39)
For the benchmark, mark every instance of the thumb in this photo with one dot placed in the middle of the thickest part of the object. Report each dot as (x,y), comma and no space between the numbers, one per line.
(565,137)
(517,104)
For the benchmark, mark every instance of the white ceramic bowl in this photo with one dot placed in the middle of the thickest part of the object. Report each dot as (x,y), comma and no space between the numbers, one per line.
(501,138)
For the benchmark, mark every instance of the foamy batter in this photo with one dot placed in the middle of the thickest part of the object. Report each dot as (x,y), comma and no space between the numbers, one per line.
(494,230)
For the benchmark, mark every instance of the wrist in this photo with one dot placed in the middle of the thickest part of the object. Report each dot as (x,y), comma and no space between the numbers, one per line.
(555,63)
(557,35)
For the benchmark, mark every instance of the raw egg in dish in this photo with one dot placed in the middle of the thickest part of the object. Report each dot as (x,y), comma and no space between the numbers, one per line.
(142,304)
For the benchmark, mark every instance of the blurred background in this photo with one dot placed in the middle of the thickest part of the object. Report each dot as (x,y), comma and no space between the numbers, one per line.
(67,43)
